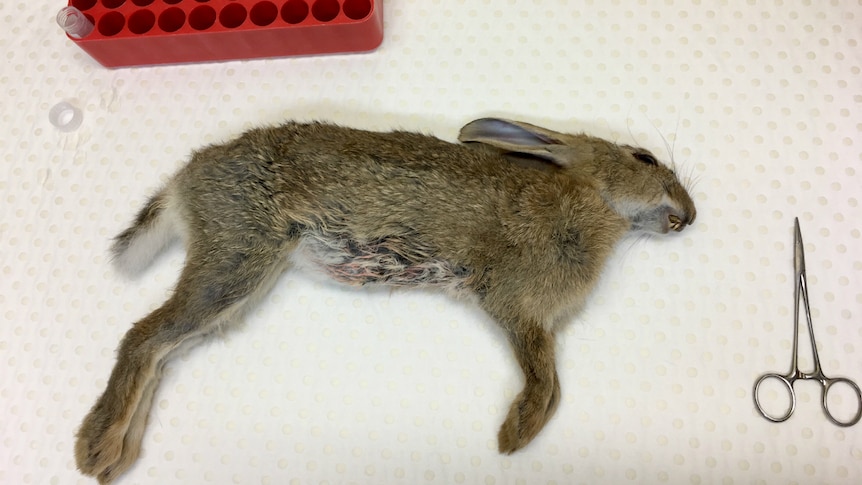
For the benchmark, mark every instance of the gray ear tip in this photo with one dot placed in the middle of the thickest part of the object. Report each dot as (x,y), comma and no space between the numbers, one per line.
(470,131)
(489,128)
(478,123)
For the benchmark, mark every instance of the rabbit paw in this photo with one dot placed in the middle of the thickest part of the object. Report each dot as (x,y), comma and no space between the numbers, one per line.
(98,448)
(523,423)
(527,416)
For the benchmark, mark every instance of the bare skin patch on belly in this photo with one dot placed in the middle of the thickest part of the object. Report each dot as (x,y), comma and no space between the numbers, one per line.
(387,261)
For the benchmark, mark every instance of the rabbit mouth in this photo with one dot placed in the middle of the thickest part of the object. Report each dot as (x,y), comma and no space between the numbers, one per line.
(677,221)
(661,220)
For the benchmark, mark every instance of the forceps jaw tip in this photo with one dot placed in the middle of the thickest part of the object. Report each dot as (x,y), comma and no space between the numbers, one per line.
(798,250)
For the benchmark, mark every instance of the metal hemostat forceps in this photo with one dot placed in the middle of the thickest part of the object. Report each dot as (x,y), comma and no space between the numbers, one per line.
(826,383)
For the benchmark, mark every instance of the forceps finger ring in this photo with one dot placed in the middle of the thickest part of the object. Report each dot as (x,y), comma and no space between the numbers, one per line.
(788,384)
(827,385)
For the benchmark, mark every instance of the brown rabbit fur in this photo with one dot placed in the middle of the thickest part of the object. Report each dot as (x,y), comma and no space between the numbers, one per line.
(392,208)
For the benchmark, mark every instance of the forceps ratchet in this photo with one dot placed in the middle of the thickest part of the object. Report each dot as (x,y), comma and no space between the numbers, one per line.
(801,290)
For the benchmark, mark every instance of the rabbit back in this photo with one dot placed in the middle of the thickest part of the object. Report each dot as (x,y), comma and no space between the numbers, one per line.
(402,208)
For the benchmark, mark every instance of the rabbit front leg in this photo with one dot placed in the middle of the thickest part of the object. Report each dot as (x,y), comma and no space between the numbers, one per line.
(535,405)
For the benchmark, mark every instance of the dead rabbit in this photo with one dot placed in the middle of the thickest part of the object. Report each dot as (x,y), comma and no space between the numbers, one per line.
(518,218)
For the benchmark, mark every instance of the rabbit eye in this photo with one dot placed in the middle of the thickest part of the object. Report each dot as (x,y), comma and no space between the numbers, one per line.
(646,158)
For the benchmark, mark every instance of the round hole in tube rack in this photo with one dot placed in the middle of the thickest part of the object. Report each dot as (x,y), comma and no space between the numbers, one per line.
(233,15)
(263,13)
(357,9)
(111,24)
(172,19)
(325,10)
(142,21)
(202,17)
(172,2)
(113,3)
(83,4)
(294,11)
(142,3)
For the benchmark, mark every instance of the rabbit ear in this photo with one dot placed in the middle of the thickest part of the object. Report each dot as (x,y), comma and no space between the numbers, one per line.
(518,137)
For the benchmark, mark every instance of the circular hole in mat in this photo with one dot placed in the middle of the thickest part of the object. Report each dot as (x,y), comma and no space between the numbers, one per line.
(172,19)
(294,11)
(142,21)
(357,9)
(263,13)
(325,10)
(142,3)
(83,4)
(112,3)
(202,17)
(233,15)
(111,24)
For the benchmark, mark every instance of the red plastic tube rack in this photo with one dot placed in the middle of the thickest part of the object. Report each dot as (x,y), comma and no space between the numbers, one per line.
(149,32)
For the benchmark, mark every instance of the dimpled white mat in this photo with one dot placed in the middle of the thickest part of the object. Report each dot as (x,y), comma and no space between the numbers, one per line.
(759,101)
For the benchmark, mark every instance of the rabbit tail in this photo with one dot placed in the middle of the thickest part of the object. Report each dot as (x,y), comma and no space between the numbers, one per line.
(155,227)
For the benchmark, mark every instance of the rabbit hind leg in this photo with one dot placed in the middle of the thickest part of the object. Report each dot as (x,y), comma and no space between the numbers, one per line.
(214,287)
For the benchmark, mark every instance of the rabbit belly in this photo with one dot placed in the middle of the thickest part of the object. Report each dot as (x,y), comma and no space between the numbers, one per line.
(386,261)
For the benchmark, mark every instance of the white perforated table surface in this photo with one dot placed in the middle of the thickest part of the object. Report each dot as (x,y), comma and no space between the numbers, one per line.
(760,102)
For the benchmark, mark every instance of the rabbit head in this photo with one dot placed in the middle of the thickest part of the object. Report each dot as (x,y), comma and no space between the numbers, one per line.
(631,180)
